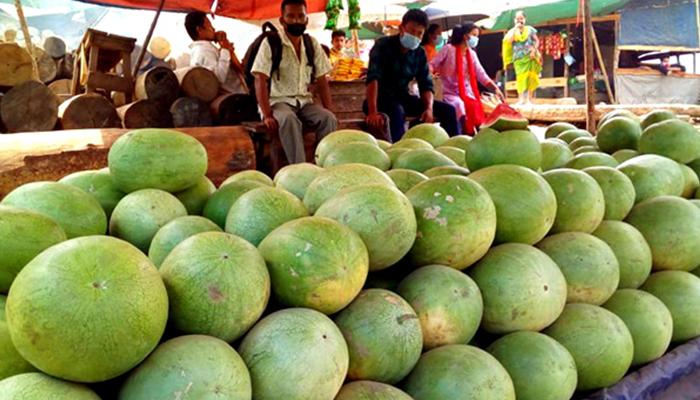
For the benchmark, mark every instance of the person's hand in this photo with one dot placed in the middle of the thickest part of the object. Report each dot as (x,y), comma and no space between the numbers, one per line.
(427,116)
(533,54)
(375,121)
(499,94)
(272,125)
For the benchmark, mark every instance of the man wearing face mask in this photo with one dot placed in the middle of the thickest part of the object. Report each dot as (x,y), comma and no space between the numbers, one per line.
(394,62)
(283,91)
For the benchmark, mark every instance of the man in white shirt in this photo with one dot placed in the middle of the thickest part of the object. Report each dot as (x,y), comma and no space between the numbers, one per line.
(283,95)
(222,60)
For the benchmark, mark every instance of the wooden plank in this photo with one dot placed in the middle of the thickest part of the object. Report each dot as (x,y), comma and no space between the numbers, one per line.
(577,113)
(660,48)
(544,82)
(112,83)
(650,71)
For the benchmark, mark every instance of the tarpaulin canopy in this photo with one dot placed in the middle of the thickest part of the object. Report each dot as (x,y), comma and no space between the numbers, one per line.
(554,10)
(650,24)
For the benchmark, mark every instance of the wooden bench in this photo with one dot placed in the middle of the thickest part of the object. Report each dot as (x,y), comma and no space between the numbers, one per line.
(268,148)
(544,83)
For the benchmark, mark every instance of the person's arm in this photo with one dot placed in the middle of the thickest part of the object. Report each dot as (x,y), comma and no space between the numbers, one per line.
(510,36)
(207,58)
(483,77)
(262,67)
(426,87)
(374,75)
(428,98)
(535,44)
(324,89)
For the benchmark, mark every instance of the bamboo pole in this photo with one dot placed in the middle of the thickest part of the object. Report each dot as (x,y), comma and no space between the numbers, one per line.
(588,62)
(27,39)
(144,48)
(602,66)
(356,43)
(566,64)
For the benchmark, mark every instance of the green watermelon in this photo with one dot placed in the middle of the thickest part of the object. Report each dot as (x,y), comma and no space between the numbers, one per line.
(624,155)
(11,362)
(295,354)
(405,179)
(599,341)
(448,304)
(455,154)
(676,139)
(525,203)
(490,147)
(368,390)
(618,191)
(3,302)
(571,135)
(35,386)
(522,288)
(619,133)
(218,285)
(105,284)
(381,215)
(589,265)
(78,213)
(25,234)
(431,133)
(586,149)
(680,292)
(156,159)
(332,141)
(98,183)
(657,116)
(648,320)
(220,202)
(459,372)
(692,183)
(295,178)
(185,364)
(195,197)
(617,113)
(335,179)
(592,159)
(450,170)
(139,216)
(654,176)
(422,160)
(394,154)
(249,175)
(583,142)
(558,128)
(411,144)
(358,153)
(580,201)
(671,226)
(555,154)
(257,213)
(174,232)
(631,250)
(456,222)
(460,142)
(315,262)
(540,367)
(383,144)
(383,334)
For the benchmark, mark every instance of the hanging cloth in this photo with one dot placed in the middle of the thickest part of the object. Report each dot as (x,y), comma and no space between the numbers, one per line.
(473,109)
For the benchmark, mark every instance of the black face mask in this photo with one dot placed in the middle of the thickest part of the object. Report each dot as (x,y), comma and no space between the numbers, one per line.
(296,29)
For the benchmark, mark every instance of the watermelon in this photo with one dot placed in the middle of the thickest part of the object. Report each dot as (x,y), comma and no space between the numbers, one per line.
(448,304)
(459,372)
(411,144)
(580,201)
(195,197)
(383,144)
(295,354)
(674,138)
(589,265)
(335,179)
(671,226)
(3,302)
(156,159)
(25,234)
(618,191)
(631,250)
(450,170)
(490,147)
(381,215)
(624,155)
(583,142)
(383,334)
(11,362)
(220,202)
(505,118)
(105,284)
(618,113)
(525,203)
(186,364)
(174,232)
(460,142)
(648,320)
(540,367)
(331,141)
(586,149)
(571,135)
(431,133)
(405,179)
(692,182)
(558,128)
(599,341)
(368,390)
(249,175)
(456,222)
(34,386)
(218,285)
(260,211)
(654,176)
(619,133)
(455,154)
(657,116)
(315,262)
(296,178)
(78,213)
(555,155)
(394,154)
(422,160)
(358,153)
(592,159)
(98,183)
(139,216)
(680,293)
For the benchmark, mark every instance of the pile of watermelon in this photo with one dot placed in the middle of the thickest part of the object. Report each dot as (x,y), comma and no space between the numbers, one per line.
(434,268)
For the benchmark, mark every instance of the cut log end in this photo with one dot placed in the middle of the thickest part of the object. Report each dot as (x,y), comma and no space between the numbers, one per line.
(145,114)
(158,84)
(16,65)
(233,109)
(87,111)
(29,107)
(190,112)
(55,47)
(198,82)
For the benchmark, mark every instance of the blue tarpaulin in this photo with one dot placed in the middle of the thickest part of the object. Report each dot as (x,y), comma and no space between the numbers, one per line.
(659,23)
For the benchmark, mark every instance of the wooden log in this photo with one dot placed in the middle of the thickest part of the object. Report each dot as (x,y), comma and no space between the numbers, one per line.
(46,65)
(198,82)
(158,84)
(577,113)
(30,157)
(190,112)
(16,65)
(145,114)
(159,47)
(64,66)
(62,89)
(88,111)
(29,107)
(3,129)
(118,99)
(233,109)
(588,65)
(55,47)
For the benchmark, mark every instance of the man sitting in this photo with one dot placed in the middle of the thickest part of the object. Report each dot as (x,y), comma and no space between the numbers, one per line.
(221,61)
(338,49)
(283,95)
(394,62)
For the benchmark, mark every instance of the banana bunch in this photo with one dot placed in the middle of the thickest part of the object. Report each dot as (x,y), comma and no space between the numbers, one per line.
(348,69)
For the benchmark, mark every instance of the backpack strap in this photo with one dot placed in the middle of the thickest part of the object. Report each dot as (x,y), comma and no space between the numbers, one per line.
(310,55)
(275,42)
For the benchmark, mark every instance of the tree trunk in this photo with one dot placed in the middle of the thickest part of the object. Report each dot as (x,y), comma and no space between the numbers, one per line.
(64,67)
(46,65)
(190,112)
(16,65)
(159,85)
(159,47)
(3,129)
(198,82)
(55,47)
(232,109)
(29,107)
(62,89)
(145,114)
(86,111)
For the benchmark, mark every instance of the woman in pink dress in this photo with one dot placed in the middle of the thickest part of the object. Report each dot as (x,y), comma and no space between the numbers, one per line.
(459,69)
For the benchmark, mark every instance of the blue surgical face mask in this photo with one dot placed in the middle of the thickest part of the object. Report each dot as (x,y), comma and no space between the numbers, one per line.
(473,41)
(409,41)
(439,41)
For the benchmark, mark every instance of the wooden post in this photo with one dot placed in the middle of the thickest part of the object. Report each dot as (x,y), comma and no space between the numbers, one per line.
(27,38)
(616,61)
(588,62)
(566,64)
(602,66)
(356,41)
(147,40)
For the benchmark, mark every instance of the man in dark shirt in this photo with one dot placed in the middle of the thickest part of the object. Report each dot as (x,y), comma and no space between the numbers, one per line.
(394,62)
